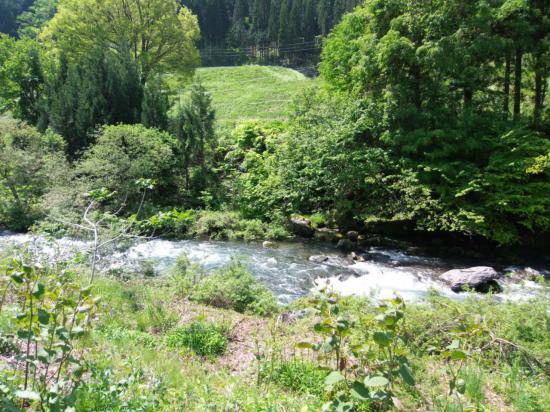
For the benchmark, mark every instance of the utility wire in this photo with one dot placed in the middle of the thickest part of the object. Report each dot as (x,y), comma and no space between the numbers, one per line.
(259,49)
(253,50)
(265,47)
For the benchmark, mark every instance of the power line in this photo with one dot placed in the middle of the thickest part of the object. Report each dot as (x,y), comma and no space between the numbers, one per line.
(252,50)
(260,49)
(266,47)
(236,54)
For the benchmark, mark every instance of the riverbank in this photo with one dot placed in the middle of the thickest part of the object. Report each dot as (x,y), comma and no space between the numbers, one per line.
(155,348)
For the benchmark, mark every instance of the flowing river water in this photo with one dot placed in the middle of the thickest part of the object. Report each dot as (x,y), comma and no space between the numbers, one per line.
(288,269)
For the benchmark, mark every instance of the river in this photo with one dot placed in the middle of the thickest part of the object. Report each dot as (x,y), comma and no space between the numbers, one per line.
(288,269)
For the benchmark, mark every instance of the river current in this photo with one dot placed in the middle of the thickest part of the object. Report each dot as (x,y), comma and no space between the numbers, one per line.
(288,269)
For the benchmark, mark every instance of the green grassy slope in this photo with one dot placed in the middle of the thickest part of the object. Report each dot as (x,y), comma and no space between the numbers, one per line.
(252,92)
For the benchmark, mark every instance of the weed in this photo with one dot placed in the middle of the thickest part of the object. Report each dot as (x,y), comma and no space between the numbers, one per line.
(205,339)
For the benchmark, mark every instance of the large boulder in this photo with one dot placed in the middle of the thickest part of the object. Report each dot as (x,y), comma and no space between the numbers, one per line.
(301,227)
(480,278)
(346,245)
(326,234)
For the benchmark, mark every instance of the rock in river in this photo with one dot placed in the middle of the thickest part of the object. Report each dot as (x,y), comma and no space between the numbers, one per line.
(480,278)
(269,245)
(318,258)
(301,227)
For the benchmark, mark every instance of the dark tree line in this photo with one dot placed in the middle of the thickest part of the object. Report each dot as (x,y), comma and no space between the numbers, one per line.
(266,31)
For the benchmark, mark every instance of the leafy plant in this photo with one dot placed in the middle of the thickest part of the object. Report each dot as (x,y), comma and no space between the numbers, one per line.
(53,312)
(233,287)
(297,375)
(361,373)
(205,339)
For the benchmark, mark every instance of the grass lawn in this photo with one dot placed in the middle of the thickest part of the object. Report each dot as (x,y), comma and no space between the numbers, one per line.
(252,92)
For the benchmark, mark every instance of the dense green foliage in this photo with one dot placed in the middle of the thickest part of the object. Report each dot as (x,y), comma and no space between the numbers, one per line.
(232,287)
(156,351)
(429,116)
(437,123)
(9,10)
(435,82)
(160,38)
(30,163)
(265,31)
(205,339)
(35,17)
(85,70)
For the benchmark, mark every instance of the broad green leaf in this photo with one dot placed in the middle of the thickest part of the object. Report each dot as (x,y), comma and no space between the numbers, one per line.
(43,317)
(77,331)
(333,378)
(38,290)
(406,374)
(322,328)
(382,339)
(376,381)
(17,277)
(457,355)
(24,334)
(359,390)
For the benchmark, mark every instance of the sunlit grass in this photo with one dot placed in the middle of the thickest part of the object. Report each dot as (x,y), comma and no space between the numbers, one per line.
(250,92)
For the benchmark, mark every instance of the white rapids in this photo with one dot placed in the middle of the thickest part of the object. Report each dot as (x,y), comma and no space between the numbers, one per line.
(287,269)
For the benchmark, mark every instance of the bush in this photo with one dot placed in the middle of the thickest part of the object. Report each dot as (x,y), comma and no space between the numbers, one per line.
(156,317)
(129,336)
(173,223)
(205,339)
(235,288)
(125,154)
(297,375)
(232,226)
(29,163)
(105,391)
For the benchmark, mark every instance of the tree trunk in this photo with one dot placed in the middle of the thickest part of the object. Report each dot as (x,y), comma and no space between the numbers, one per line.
(537,111)
(468,97)
(415,72)
(517,83)
(507,75)
(540,88)
(15,195)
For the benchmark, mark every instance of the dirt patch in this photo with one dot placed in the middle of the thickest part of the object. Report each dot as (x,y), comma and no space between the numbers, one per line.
(246,334)
(249,337)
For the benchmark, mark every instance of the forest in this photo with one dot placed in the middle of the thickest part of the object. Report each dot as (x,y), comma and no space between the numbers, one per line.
(385,136)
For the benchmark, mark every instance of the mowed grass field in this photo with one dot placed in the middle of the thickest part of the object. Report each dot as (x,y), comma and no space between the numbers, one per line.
(252,92)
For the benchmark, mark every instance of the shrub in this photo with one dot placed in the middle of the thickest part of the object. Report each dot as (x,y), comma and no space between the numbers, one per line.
(133,337)
(49,306)
(29,163)
(205,339)
(235,288)
(232,226)
(125,154)
(297,375)
(173,223)
(156,317)
(104,391)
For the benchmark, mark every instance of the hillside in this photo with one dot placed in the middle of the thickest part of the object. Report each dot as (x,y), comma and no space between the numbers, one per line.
(252,92)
